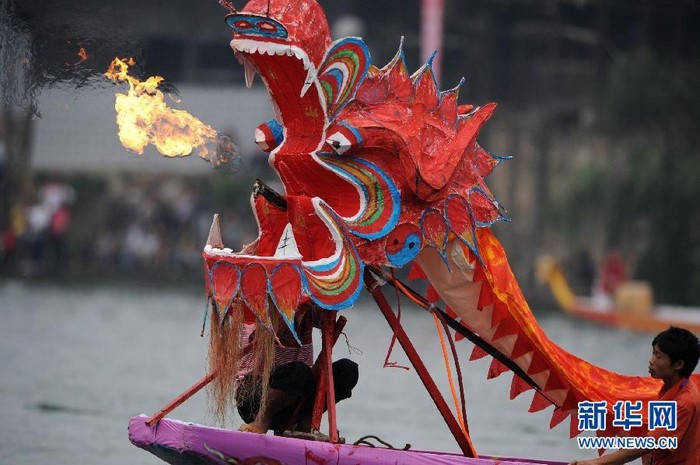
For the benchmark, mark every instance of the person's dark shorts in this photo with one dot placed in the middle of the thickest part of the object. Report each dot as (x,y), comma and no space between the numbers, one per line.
(296,378)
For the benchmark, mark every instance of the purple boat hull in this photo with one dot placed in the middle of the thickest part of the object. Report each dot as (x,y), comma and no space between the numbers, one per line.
(181,443)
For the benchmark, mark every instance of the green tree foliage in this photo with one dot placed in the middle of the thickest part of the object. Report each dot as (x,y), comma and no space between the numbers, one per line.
(648,200)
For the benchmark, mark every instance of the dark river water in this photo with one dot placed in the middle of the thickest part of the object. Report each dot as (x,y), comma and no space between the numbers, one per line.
(77,363)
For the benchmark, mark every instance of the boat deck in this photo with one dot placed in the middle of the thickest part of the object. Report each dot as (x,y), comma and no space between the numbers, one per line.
(180,443)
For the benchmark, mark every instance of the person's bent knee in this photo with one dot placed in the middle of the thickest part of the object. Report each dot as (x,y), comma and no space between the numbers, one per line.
(346,373)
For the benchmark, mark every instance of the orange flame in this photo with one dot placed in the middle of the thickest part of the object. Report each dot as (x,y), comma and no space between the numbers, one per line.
(144,118)
(82,53)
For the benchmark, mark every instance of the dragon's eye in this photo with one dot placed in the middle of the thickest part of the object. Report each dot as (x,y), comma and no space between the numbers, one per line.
(339,142)
(241,24)
(344,138)
(269,135)
(267,26)
(403,244)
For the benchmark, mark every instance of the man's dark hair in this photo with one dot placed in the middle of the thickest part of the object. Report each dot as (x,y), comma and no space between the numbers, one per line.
(679,344)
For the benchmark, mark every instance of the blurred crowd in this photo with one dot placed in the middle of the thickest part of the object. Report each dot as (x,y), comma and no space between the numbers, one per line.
(35,239)
(133,228)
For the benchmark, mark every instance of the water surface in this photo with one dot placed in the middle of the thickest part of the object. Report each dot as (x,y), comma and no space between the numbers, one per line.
(76,363)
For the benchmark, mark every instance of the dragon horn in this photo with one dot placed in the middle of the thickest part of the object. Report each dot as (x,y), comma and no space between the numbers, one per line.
(214,238)
(228,4)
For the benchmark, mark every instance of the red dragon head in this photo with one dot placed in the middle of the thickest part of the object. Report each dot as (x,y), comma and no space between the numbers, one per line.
(376,164)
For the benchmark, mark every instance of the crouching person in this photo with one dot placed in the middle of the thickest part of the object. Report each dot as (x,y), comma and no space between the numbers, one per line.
(275,385)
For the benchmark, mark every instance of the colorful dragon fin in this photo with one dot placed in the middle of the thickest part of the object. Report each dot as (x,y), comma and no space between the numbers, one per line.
(436,232)
(342,71)
(426,87)
(393,79)
(224,279)
(285,289)
(448,103)
(334,282)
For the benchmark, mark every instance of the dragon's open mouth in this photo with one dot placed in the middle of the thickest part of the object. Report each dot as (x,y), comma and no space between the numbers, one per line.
(244,48)
(290,77)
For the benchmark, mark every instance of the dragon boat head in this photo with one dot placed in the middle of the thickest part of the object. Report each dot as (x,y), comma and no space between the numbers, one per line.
(285,43)
(376,164)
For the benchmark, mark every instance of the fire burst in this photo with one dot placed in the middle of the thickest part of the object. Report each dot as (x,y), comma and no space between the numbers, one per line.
(144,118)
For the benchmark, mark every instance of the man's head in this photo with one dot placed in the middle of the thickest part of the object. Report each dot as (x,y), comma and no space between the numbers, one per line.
(674,350)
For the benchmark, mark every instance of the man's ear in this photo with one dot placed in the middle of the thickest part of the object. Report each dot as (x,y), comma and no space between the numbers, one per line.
(678,365)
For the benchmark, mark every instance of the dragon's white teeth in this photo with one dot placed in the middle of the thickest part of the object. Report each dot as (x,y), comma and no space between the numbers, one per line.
(243,47)
(249,73)
(214,238)
(307,63)
(310,79)
(301,56)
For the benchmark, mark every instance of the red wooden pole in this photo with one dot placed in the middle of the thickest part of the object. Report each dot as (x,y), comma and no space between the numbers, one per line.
(319,370)
(461,437)
(181,399)
(320,397)
(327,338)
(339,326)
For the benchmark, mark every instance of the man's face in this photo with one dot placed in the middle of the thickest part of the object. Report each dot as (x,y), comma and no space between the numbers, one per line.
(660,365)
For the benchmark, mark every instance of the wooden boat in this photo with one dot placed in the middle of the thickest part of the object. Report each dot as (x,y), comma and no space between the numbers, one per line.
(621,312)
(182,443)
